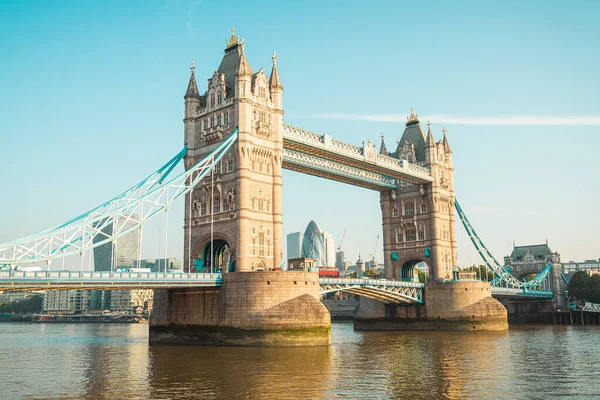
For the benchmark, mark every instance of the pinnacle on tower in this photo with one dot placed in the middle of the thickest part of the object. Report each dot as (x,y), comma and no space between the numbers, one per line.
(243,68)
(383,150)
(430,139)
(413,118)
(446,144)
(192,90)
(233,40)
(274,80)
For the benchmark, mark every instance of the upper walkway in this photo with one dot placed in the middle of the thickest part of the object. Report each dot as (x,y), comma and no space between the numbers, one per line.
(323,156)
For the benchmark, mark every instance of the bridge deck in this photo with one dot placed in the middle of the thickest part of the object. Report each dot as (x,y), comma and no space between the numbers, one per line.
(388,291)
(23,280)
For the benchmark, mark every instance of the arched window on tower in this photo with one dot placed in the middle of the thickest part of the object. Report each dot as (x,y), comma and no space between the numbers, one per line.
(212,100)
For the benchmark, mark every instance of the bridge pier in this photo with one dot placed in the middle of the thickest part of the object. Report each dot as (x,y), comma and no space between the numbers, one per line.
(449,306)
(250,309)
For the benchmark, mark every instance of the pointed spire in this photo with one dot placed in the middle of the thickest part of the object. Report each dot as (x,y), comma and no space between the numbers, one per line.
(244,67)
(383,150)
(446,144)
(430,139)
(274,80)
(192,90)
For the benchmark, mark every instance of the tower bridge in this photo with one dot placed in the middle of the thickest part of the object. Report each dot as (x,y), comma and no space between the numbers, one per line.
(235,147)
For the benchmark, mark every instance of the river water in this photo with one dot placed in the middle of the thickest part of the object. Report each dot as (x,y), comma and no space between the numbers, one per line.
(113,361)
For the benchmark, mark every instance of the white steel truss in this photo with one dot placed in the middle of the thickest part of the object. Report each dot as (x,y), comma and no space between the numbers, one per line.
(592,307)
(127,212)
(389,292)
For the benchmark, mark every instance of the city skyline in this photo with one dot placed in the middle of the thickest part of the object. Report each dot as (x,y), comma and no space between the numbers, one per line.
(511,152)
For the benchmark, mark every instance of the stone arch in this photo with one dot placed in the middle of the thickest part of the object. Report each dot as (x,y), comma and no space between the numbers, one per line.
(222,254)
(405,269)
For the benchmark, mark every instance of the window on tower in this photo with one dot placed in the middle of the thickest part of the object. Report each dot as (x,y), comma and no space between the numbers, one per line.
(411,235)
(399,237)
(227,118)
(216,204)
(229,165)
(212,100)
(219,119)
(409,208)
(205,123)
(395,212)
(220,98)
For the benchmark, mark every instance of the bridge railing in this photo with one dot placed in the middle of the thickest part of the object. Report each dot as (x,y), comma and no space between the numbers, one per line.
(521,292)
(108,275)
(372,282)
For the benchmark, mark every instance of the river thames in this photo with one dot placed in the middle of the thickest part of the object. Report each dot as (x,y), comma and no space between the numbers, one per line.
(112,361)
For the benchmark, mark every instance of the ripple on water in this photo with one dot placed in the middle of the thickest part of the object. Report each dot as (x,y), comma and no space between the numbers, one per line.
(112,361)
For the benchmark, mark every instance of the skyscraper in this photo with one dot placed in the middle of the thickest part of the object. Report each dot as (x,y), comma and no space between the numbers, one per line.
(294,245)
(121,253)
(313,243)
(329,249)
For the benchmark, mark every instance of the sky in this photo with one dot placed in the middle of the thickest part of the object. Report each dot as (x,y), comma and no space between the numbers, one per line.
(91,101)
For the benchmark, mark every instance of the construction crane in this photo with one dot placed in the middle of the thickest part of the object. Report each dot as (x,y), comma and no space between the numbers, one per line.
(374,251)
(342,240)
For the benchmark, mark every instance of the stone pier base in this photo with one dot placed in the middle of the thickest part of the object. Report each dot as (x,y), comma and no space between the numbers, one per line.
(449,306)
(251,309)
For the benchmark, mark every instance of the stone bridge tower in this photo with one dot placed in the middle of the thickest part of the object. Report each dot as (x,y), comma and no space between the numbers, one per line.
(418,220)
(242,200)
(233,222)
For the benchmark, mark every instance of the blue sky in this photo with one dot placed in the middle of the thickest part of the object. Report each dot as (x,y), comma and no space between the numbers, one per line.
(91,100)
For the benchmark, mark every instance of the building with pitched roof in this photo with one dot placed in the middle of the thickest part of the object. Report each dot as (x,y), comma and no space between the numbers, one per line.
(531,259)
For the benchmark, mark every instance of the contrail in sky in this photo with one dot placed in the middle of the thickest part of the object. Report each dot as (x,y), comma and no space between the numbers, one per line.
(589,120)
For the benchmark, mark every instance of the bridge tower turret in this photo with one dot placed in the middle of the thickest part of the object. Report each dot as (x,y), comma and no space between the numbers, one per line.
(240,206)
(418,220)
(192,107)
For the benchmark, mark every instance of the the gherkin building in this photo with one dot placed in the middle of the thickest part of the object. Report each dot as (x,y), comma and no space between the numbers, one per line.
(313,244)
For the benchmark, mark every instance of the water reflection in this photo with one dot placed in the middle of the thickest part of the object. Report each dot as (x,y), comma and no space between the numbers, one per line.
(41,361)
(187,372)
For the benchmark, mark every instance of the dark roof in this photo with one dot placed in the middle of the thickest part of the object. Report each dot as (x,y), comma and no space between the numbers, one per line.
(413,134)
(192,90)
(538,251)
(228,66)
(383,150)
